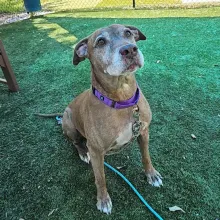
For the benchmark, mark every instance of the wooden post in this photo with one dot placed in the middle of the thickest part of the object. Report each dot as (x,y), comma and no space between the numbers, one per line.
(133,3)
(10,79)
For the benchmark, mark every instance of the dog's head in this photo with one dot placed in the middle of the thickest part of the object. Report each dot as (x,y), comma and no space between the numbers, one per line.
(112,50)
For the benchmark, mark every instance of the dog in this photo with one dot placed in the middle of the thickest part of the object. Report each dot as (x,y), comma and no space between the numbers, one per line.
(114,111)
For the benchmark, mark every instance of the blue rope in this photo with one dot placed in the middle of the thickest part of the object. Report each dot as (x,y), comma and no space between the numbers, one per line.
(134,189)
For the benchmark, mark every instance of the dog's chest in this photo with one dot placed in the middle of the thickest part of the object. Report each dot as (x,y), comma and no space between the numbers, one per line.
(123,138)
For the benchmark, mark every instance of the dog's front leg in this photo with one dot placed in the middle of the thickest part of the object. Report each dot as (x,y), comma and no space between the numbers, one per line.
(104,203)
(153,177)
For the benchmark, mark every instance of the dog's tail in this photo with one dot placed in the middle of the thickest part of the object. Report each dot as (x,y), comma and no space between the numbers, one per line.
(49,115)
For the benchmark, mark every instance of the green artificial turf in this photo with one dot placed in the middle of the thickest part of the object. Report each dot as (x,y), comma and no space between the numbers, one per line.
(42,176)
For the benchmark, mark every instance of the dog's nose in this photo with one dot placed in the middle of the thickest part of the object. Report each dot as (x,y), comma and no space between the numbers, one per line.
(129,50)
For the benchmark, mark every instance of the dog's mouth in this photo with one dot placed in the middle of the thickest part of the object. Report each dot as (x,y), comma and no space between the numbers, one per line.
(123,66)
(133,67)
(132,64)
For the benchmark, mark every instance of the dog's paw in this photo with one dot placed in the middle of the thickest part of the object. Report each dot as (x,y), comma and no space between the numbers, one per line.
(105,205)
(85,158)
(154,178)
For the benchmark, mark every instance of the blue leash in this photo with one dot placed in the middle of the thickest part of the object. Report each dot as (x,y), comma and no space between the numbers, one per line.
(136,192)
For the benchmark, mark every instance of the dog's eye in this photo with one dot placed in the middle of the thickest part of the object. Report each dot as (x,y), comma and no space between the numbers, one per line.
(128,33)
(101,42)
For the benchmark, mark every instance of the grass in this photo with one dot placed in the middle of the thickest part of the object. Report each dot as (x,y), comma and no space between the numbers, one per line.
(11,6)
(127,3)
(15,6)
(157,13)
(41,172)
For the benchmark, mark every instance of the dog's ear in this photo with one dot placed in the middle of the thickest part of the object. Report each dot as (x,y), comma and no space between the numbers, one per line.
(138,35)
(80,51)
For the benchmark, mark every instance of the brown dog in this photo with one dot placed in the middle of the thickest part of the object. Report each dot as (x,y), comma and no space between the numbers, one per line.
(105,117)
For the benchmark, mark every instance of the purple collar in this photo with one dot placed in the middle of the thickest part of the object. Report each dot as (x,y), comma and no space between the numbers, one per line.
(117,105)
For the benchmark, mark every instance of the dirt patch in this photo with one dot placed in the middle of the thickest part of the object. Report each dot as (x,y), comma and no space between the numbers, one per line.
(10,18)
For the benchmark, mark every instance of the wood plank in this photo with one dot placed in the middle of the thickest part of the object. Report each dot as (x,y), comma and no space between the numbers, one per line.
(2,61)
(7,70)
